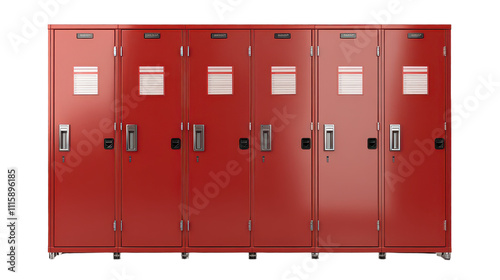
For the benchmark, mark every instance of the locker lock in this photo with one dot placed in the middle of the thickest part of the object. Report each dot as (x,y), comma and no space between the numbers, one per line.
(372,143)
(244,143)
(305,143)
(175,143)
(109,143)
(439,143)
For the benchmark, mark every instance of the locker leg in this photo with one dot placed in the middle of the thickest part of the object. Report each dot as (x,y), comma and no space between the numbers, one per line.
(381,256)
(52,255)
(116,256)
(315,256)
(185,256)
(252,256)
(446,256)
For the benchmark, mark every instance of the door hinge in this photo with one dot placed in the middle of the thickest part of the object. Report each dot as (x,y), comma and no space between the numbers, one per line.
(188,51)
(121,126)
(312,226)
(188,225)
(182,225)
(250,126)
(318,126)
(378,125)
(312,51)
(445,227)
(114,51)
(249,225)
(121,225)
(317,51)
(378,50)
(378,225)
(444,125)
(114,225)
(312,126)
(121,51)
(318,225)
(249,50)
(188,126)
(182,50)
(182,126)
(114,126)
(444,51)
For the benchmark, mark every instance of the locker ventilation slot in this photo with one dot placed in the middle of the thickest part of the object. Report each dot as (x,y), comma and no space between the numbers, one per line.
(283,79)
(151,80)
(415,79)
(220,80)
(350,79)
(85,80)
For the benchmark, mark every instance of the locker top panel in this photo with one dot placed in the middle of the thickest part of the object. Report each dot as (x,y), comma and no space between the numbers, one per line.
(250,26)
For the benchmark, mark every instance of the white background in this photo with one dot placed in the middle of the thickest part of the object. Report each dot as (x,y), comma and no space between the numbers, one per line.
(476,137)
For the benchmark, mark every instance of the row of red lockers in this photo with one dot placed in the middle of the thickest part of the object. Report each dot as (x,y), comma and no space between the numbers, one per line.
(249,138)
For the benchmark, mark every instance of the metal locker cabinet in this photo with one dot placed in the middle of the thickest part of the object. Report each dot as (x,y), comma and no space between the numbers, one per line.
(218,152)
(283,155)
(414,147)
(84,168)
(348,138)
(151,138)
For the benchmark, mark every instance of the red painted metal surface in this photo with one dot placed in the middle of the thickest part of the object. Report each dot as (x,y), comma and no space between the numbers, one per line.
(151,185)
(219,176)
(282,187)
(282,199)
(84,182)
(415,176)
(348,175)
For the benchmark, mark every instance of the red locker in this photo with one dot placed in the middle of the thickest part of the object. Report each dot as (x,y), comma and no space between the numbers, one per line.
(84,168)
(415,146)
(219,116)
(151,138)
(348,138)
(282,132)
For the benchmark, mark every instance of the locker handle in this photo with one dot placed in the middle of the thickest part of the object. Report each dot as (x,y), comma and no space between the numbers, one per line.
(198,137)
(329,137)
(265,137)
(131,137)
(64,137)
(395,137)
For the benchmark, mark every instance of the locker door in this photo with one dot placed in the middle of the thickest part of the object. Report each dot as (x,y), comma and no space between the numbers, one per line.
(84,116)
(282,130)
(414,129)
(348,152)
(219,116)
(151,133)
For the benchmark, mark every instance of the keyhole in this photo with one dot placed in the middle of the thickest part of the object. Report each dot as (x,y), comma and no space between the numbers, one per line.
(393,158)
(327,158)
(263,158)
(197,159)
(130,159)
(63,158)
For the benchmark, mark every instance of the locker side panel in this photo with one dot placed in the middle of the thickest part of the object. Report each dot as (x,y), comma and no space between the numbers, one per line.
(283,115)
(84,110)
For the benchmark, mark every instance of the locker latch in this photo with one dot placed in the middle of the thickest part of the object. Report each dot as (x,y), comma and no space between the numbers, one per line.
(305,143)
(439,143)
(244,143)
(175,143)
(109,143)
(372,143)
